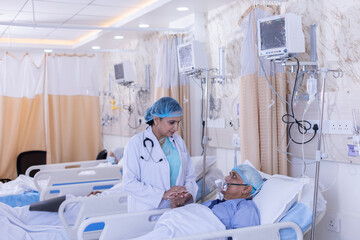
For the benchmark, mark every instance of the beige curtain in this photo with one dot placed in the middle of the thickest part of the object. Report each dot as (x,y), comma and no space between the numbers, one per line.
(74,124)
(21,110)
(52,105)
(170,83)
(262,132)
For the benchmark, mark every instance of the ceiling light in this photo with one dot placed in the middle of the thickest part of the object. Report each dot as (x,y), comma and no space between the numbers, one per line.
(144,25)
(95,47)
(48,50)
(118,37)
(182,9)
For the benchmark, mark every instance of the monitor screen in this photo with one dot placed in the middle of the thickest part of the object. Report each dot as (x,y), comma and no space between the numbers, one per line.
(185,56)
(119,71)
(272,34)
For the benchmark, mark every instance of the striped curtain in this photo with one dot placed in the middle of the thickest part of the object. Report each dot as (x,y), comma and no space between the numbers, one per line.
(262,132)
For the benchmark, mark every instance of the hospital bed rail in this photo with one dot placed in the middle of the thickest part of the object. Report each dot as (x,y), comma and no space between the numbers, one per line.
(77,181)
(140,223)
(262,232)
(67,165)
(90,207)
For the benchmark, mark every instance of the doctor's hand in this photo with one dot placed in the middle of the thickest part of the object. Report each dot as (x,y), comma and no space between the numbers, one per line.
(180,200)
(175,192)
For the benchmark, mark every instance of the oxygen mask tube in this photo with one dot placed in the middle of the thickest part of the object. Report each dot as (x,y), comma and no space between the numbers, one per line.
(220,186)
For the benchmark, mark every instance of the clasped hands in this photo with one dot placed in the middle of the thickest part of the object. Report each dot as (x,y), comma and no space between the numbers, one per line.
(177,195)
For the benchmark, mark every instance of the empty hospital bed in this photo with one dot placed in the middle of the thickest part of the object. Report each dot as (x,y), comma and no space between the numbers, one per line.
(275,201)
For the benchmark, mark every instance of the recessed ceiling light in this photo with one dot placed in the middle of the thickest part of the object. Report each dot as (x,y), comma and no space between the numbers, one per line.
(48,50)
(95,47)
(118,37)
(182,9)
(143,25)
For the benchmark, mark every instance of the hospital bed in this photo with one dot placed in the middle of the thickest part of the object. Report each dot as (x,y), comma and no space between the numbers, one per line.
(274,201)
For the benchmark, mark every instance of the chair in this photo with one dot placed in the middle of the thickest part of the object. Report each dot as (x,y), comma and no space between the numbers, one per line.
(102,154)
(28,159)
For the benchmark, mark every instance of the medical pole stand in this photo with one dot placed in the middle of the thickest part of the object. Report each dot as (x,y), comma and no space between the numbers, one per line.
(205,138)
(318,153)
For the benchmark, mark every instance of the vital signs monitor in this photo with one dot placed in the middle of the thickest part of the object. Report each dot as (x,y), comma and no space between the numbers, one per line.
(280,36)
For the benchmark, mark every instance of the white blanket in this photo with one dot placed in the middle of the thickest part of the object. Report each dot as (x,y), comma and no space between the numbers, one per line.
(187,220)
(18,186)
(20,223)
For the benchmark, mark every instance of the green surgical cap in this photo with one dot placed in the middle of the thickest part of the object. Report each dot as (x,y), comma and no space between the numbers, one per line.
(250,176)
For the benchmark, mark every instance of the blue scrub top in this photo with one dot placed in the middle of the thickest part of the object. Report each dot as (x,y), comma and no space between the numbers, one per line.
(236,213)
(173,158)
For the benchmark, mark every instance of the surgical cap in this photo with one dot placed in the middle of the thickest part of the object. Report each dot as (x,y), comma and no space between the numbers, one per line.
(118,153)
(250,176)
(164,107)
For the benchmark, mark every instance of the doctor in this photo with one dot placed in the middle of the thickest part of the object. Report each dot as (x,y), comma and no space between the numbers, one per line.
(158,171)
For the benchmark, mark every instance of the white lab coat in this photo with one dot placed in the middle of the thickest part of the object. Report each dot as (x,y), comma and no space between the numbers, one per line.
(146,178)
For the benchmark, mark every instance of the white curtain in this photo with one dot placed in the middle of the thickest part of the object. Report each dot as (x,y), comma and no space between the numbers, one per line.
(169,82)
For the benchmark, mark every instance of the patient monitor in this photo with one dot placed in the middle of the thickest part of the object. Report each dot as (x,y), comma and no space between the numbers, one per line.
(191,56)
(124,73)
(280,36)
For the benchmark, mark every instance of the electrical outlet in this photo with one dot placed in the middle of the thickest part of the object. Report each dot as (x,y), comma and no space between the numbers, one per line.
(339,126)
(236,141)
(333,224)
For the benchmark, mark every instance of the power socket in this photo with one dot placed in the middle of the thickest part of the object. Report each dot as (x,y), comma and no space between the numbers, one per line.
(236,141)
(339,126)
(333,224)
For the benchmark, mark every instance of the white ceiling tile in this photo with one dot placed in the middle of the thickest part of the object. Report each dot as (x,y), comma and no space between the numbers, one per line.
(12,5)
(25,32)
(7,16)
(43,18)
(103,11)
(88,20)
(67,34)
(67,1)
(54,7)
(119,3)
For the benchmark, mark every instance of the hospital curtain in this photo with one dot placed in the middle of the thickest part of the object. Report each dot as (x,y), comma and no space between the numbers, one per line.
(262,133)
(169,82)
(74,125)
(21,109)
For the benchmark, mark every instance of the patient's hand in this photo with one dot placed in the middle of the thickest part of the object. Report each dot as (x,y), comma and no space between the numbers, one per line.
(93,193)
(174,192)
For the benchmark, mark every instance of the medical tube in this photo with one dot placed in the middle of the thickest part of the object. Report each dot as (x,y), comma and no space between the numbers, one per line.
(147,76)
(222,62)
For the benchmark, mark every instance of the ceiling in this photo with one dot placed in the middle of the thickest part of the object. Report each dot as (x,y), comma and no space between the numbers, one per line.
(82,24)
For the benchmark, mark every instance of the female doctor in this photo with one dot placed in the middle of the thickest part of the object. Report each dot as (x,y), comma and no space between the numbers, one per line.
(158,171)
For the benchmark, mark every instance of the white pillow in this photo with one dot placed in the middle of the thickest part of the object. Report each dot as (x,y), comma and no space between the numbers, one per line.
(277,195)
(198,164)
(263,175)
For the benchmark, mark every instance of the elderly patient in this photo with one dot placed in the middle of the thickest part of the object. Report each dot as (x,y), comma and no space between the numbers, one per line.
(235,210)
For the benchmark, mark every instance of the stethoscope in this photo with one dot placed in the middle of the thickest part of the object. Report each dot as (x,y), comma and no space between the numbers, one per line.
(145,144)
(149,151)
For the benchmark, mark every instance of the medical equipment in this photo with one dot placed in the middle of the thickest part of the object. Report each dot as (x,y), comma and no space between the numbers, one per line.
(151,149)
(191,56)
(124,73)
(280,36)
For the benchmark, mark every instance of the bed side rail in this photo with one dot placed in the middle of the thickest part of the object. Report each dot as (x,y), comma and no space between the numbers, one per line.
(68,165)
(89,207)
(267,231)
(123,226)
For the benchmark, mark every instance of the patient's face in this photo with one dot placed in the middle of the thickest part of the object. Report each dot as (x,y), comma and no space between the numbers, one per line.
(234,191)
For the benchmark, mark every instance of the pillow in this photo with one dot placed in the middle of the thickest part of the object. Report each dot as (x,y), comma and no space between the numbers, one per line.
(263,175)
(198,164)
(276,197)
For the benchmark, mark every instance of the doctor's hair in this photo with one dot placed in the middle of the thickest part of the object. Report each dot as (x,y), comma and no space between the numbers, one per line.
(151,122)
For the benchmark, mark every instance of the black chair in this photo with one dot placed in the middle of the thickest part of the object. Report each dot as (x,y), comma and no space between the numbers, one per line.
(28,159)
(102,155)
